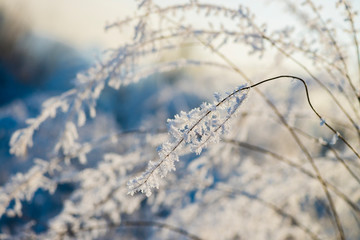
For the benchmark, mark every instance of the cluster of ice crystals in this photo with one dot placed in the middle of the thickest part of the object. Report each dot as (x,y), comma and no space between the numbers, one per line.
(23,186)
(108,198)
(189,131)
(22,138)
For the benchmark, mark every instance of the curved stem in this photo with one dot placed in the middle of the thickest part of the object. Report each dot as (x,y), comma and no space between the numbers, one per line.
(311,106)
(317,80)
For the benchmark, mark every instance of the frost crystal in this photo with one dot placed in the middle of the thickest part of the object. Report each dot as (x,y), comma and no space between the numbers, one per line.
(192,131)
(334,138)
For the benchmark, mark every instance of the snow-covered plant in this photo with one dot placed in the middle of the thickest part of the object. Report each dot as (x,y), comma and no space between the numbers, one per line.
(284,164)
(195,130)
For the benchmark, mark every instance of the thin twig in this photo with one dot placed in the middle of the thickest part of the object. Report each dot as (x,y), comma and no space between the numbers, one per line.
(272,206)
(140,223)
(292,164)
(332,149)
(334,42)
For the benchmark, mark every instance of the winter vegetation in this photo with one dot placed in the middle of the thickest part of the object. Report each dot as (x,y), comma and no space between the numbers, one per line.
(174,135)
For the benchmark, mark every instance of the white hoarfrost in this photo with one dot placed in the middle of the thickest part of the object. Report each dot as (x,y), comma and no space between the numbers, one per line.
(194,131)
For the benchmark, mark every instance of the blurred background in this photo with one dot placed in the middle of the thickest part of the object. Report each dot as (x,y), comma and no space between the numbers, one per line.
(43,45)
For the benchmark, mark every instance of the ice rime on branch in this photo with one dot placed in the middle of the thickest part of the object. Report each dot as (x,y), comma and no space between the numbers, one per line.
(189,131)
